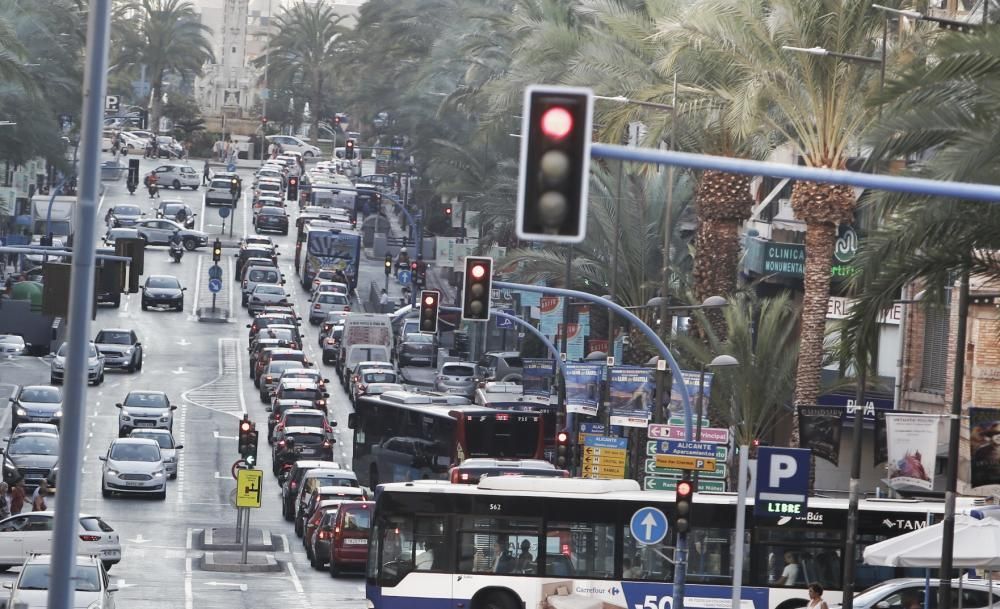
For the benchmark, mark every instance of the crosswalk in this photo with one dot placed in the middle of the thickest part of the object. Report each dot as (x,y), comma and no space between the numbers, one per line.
(224,393)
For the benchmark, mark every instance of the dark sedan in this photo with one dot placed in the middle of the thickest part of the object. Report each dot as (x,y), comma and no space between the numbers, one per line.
(271,219)
(37,404)
(416,348)
(125,215)
(177,211)
(163,291)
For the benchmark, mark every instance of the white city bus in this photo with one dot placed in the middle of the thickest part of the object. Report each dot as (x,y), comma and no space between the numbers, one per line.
(551,543)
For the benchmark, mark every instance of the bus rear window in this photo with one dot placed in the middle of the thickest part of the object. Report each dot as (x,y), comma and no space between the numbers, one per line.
(503,435)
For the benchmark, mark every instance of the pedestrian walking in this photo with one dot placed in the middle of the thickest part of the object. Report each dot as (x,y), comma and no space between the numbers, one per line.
(17,497)
(383,301)
(38,498)
(206,175)
(816,597)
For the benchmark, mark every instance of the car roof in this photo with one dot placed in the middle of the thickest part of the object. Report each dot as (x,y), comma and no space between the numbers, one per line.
(350,490)
(44,559)
(463,364)
(114,330)
(144,441)
(162,277)
(147,392)
(306,411)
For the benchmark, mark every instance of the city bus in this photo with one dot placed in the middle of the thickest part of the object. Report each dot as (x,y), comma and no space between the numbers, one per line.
(403,435)
(329,248)
(557,543)
(510,396)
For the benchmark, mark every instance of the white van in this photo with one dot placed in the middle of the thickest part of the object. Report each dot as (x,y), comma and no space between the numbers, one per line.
(367,337)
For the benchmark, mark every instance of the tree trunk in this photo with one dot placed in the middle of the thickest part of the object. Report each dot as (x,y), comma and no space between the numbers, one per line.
(724,202)
(314,111)
(155,107)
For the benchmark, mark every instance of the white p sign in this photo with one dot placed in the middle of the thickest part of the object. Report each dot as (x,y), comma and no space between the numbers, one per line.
(782,481)
(782,467)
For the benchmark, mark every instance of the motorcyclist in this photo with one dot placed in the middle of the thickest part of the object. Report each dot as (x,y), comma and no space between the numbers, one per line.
(403,260)
(176,247)
(181,216)
(152,183)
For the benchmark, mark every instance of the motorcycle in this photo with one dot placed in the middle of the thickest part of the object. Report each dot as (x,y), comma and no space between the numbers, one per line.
(131,186)
(176,251)
(153,189)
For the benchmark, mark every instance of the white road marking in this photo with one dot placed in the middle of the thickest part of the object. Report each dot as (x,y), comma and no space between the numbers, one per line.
(242,587)
(188,591)
(221,437)
(197,286)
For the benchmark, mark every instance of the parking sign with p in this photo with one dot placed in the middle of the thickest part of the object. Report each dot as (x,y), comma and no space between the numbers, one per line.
(782,481)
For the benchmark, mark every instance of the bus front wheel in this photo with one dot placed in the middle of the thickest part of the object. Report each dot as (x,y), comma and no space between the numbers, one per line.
(495,599)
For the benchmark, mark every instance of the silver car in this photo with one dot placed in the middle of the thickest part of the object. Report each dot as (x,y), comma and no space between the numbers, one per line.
(95,365)
(265,294)
(323,303)
(178,176)
(159,232)
(134,465)
(93,589)
(457,377)
(168,449)
(145,410)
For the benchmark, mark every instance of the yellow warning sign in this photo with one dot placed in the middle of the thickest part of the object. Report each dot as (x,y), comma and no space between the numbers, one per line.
(248,483)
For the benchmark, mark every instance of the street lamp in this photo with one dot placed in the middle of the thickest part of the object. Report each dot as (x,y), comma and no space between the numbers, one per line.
(949,24)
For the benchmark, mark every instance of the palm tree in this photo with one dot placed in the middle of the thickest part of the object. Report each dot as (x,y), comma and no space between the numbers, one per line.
(167,37)
(303,54)
(817,104)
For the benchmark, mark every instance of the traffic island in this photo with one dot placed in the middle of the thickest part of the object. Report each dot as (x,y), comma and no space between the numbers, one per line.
(231,562)
(221,539)
(215,315)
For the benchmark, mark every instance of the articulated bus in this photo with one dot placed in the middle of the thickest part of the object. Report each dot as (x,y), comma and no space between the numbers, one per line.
(401,435)
(557,543)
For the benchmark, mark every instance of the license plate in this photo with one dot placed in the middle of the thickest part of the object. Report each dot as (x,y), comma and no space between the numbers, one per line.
(134,484)
(145,423)
(355,542)
(109,552)
(43,419)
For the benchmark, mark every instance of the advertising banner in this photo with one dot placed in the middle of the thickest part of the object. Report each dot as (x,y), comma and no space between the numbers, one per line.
(692,380)
(819,430)
(912,449)
(631,389)
(984,444)
(551,315)
(583,388)
(537,376)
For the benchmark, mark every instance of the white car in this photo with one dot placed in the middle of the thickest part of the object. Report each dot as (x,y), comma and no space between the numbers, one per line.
(168,448)
(331,286)
(145,410)
(134,465)
(290,143)
(178,176)
(265,294)
(36,240)
(31,533)
(93,590)
(133,141)
(95,365)
(268,187)
(12,344)
(901,593)
(323,303)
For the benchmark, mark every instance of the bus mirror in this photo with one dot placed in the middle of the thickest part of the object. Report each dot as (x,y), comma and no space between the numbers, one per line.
(352,420)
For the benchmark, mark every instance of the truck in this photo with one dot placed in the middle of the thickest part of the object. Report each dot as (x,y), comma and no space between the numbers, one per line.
(61,221)
(366,337)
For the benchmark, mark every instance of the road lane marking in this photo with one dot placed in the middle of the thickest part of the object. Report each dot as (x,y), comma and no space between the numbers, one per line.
(197,287)
(188,591)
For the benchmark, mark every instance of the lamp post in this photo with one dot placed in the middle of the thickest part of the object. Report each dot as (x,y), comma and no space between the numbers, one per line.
(948,24)
(719,361)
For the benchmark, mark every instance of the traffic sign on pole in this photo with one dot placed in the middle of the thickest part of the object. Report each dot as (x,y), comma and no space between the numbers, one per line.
(248,483)
(215,272)
(214,285)
(782,481)
(700,464)
(224,211)
(648,526)
(404,277)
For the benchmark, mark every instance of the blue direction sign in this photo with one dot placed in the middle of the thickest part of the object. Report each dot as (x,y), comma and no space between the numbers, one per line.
(782,481)
(224,211)
(687,449)
(215,272)
(231,167)
(504,323)
(214,285)
(404,276)
(648,526)
(606,442)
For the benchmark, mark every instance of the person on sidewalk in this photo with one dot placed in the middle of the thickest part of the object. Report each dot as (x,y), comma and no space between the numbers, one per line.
(17,497)
(383,302)
(4,501)
(206,174)
(38,498)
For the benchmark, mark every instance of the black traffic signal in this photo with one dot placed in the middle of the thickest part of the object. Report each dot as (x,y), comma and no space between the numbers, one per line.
(133,172)
(292,192)
(477,287)
(336,120)
(217,250)
(234,186)
(349,149)
(430,302)
(135,250)
(248,441)
(555,164)
(388,264)
(447,211)
(562,448)
(684,495)
(55,289)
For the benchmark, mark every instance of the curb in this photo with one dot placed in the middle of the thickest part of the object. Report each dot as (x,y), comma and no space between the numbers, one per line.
(229,562)
(212,316)
(264,543)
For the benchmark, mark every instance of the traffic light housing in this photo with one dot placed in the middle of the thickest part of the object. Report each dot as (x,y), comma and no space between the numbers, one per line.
(349,150)
(562,448)
(555,164)
(476,288)
(234,186)
(217,250)
(292,192)
(135,250)
(430,303)
(684,495)
(388,264)
(447,211)
(248,437)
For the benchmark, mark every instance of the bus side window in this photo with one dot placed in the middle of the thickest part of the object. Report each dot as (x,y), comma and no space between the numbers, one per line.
(431,544)
(645,562)
(589,548)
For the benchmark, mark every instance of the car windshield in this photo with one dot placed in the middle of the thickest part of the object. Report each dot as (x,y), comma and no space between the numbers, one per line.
(259,276)
(92,351)
(163,439)
(337,480)
(146,399)
(279,367)
(171,210)
(299,394)
(126,451)
(112,337)
(419,338)
(222,184)
(277,333)
(36,577)
(47,395)
(293,419)
(380,376)
(127,210)
(163,282)
(33,445)
(332,298)
(269,289)
(457,370)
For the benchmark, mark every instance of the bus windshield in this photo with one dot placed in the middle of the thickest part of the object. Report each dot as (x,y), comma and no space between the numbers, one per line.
(503,435)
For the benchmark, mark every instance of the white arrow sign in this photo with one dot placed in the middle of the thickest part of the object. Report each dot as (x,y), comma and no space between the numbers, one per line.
(180,370)
(140,539)
(184,342)
(649,522)
(122,585)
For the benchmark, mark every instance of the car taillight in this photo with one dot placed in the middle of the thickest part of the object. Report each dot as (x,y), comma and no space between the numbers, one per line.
(294,485)
(454,476)
(347,308)
(324,534)
(321,402)
(327,444)
(281,443)
(316,306)
(90,537)
(268,379)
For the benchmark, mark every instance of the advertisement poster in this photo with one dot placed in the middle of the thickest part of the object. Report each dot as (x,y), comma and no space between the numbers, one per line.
(551,315)
(691,379)
(631,389)
(537,376)
(819,430)
(984,444)
(574,342)
(583,388)
(912,449)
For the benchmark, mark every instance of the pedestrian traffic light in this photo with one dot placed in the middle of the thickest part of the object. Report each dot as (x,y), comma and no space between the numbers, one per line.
(388,264)
(447,211)
(217,250)
(430,302)
(263,120)
(555,164)
(477,287)
(562,447)
(292,192)
(134,249)
(684,493)
(349,150)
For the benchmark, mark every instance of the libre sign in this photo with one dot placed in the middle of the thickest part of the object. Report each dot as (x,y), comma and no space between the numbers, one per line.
(782,481)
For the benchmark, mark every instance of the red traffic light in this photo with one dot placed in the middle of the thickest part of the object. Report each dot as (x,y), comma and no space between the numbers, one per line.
(562,437)
(684,489)
(292,181)
(263,120)
(413,266)
(478,271)
(245,426)
(557,122)
(429,300)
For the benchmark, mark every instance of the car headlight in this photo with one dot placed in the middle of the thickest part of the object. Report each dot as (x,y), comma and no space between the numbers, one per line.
(94,605)
(129,350)
(158,473)
(21,412)
(113,471)
(125,415)
(57,364)
(57,414)
(164,419)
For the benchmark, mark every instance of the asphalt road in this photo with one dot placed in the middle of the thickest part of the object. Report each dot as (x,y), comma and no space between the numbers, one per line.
(202,367)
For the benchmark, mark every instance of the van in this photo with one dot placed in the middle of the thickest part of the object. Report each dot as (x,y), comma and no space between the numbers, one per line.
(349,537)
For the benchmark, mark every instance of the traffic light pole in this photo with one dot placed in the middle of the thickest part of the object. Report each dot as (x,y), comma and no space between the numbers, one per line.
(71,437)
